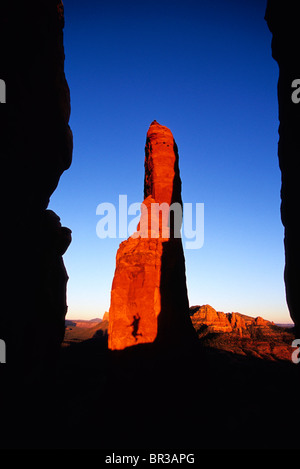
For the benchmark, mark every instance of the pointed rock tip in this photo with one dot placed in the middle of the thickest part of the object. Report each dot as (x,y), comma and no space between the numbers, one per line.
(156,128)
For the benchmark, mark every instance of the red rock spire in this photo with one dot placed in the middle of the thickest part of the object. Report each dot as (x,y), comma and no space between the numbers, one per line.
(149,297)
(161,165)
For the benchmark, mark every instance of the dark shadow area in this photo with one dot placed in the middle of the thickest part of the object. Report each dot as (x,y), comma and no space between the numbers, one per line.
(283,21)
(149,396)
(36,148)
(173,323)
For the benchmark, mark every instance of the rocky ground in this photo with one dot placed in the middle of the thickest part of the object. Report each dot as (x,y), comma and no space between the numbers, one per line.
(152,397)
(196,397)
(230,390)
(220,393)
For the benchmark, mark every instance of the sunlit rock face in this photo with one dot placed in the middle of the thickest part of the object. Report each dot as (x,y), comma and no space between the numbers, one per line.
(242,335)
(162,179)
(283,21)
(149,300)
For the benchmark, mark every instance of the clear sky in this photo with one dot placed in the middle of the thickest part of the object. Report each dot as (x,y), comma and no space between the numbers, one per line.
(204,69)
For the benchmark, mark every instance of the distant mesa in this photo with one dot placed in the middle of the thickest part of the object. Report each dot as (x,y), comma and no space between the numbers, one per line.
(149,300)
(241,334)
(217,321)
(79,330)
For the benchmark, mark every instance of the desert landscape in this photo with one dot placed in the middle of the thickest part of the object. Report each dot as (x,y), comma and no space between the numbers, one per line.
(231,332)
(156,370)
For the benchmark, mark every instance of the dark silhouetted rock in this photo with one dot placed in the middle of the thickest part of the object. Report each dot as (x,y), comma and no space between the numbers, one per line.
(283,21)
(36,148)
(149,300)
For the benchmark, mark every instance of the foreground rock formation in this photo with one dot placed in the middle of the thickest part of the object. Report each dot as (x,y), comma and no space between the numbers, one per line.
(36,148)
(149,300)
(241,334)
(283,21)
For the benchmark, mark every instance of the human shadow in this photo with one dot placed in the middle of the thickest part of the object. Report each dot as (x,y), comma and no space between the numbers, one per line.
(135,326)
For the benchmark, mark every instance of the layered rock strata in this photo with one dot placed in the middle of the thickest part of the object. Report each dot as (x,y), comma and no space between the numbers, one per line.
(241,334)
(217,321)
(149,300)
(283,21)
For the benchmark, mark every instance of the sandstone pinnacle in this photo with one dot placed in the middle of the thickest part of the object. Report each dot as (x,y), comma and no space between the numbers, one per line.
(149,300)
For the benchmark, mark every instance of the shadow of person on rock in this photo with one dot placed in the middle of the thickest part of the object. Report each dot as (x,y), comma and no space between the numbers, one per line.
(135,326)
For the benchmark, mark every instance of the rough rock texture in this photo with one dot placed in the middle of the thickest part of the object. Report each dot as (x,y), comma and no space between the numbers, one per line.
(224,322)
(241,334)
(36,147)
(149,300)
(283,21)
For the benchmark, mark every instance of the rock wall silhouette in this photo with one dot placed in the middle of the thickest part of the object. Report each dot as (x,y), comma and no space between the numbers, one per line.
(36,147)
(149,301)
(283,21)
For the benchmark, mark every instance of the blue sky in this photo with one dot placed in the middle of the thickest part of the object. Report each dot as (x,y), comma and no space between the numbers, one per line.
(204,69)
